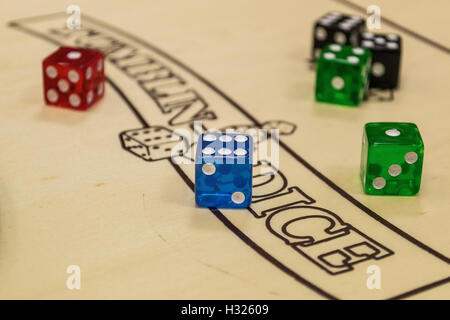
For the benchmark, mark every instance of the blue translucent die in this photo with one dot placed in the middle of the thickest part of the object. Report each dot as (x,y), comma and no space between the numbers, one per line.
(223,170)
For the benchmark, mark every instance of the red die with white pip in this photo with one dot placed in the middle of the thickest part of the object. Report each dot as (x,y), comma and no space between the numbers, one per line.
(74,77)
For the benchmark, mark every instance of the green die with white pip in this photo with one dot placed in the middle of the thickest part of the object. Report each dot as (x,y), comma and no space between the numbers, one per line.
(391,158)
(343,75)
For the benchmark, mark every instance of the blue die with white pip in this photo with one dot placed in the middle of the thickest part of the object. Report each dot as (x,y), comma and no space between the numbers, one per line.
(223,170)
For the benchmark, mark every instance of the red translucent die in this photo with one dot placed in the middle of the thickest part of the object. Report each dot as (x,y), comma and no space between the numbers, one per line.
(74,77)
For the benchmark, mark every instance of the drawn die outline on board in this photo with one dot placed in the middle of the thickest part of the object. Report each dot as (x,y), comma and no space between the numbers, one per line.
(120,48)
(180,104)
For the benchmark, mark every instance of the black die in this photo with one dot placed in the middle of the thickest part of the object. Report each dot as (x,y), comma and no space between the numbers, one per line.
(336,28)
(386,53)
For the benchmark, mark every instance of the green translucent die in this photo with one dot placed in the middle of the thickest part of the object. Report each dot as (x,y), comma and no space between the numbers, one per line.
(391,158)
(343,74)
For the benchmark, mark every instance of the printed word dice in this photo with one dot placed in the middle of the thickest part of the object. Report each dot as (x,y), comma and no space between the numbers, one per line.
(386,53)
(391,159)
(223,170)
(74,77)
(343,74)
(154,143)
(336,28)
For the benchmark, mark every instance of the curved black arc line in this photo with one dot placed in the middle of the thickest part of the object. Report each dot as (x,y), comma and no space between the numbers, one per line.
(398,26)
(252,244)
(218,214)
(421,289)
(257,123)
(368,211)
(178,63)
(242,235)
(128,102)
(289,150)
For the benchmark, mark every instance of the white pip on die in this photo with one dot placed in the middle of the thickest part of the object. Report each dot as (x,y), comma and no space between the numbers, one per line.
(337,28)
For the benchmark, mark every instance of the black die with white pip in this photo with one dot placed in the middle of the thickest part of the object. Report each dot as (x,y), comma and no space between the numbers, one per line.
(335,27)
(386,54)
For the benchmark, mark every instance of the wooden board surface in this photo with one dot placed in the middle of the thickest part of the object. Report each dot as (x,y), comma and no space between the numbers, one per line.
(71,194)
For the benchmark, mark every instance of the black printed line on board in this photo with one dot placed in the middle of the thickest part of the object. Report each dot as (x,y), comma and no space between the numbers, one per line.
(421,289)
(109,80)
(252,244)
(216,212)
(233,103)
(371,213)
(128,102)
(289,150)
(403,29)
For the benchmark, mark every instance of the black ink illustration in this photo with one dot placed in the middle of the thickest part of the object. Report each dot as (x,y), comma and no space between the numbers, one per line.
(153,143)
(290,214)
